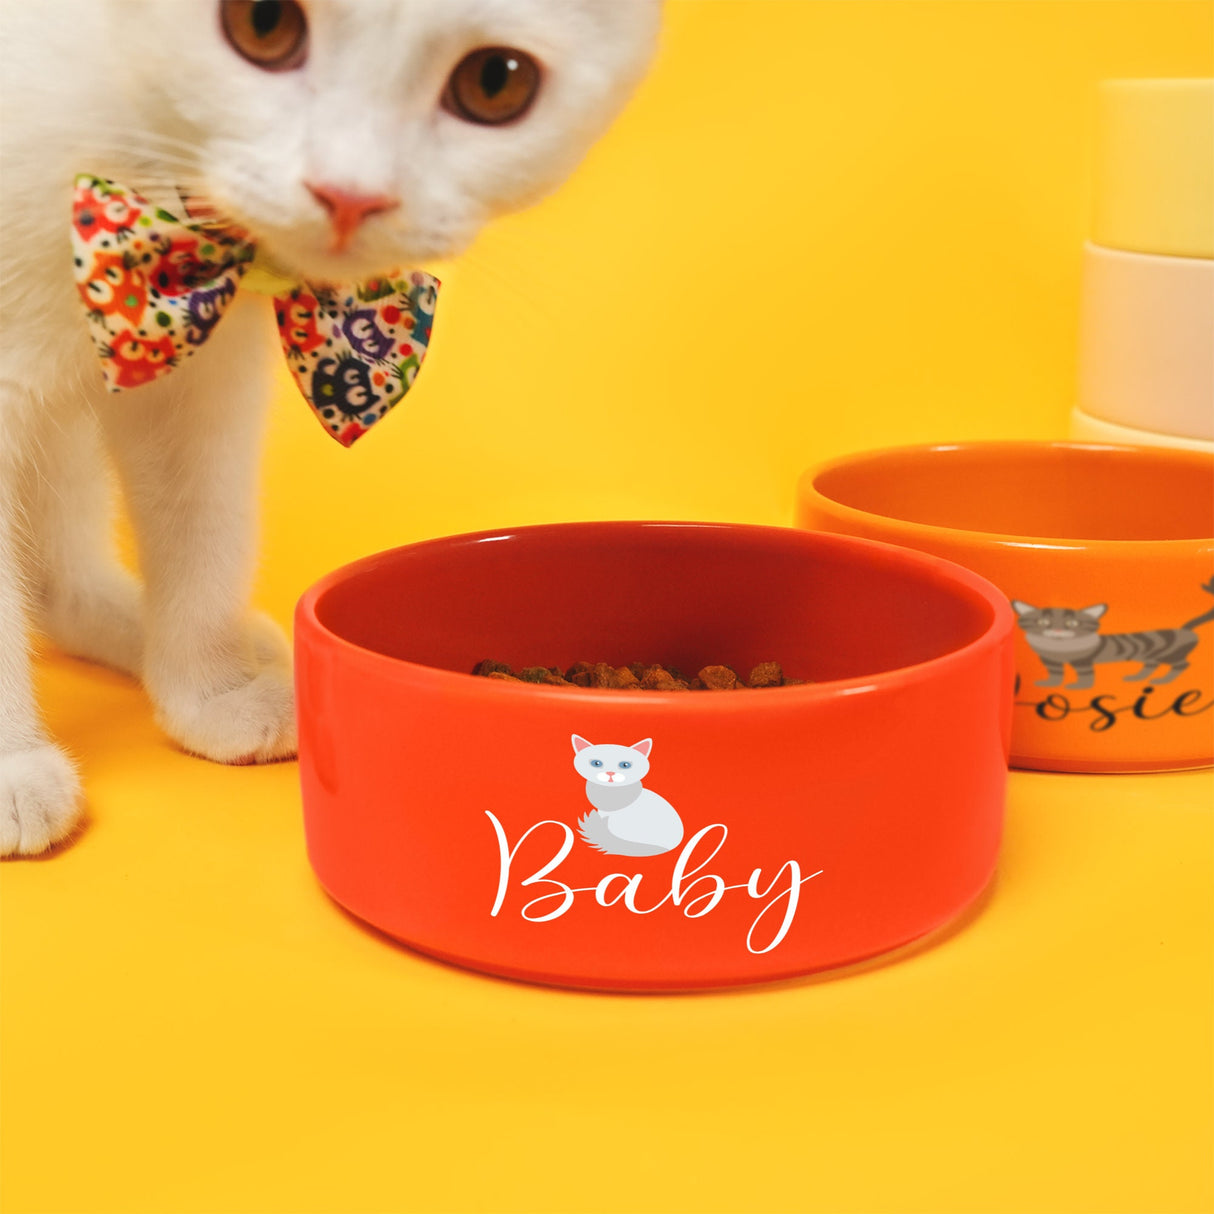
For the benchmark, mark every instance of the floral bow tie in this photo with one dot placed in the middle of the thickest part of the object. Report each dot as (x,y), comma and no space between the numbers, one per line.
(155,287)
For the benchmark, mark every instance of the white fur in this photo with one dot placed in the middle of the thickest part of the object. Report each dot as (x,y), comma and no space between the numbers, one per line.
(149,93)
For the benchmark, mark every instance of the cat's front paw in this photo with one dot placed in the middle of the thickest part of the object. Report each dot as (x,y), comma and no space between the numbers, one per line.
(251,723)
(40,801)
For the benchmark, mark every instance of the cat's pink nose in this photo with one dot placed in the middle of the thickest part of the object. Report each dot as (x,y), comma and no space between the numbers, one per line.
(347,210)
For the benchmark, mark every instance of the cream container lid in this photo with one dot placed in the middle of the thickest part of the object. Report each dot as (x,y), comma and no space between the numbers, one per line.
(1085,428)
(1154,173)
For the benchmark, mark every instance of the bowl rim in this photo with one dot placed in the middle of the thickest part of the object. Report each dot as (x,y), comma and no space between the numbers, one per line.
(1142,549)
(998,631)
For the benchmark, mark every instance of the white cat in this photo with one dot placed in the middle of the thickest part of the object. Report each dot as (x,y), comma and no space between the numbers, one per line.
(628,819)
(348,138)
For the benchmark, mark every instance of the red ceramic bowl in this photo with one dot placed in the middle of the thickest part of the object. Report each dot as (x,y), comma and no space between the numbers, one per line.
(654,840)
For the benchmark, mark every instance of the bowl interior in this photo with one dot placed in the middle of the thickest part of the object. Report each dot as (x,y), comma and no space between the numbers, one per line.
(825,607)
(1046,491)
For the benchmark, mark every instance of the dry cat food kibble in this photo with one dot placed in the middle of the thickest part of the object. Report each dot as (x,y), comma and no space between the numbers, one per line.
(638,676)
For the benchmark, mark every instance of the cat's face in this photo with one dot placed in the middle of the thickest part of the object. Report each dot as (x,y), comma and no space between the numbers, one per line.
(1058,623)
(269,111)
(609,764)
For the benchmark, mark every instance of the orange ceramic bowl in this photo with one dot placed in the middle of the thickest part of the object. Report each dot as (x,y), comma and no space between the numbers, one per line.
(1107,555)
(653,840)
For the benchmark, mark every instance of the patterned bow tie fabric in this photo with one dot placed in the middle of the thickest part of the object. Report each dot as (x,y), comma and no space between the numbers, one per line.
(155,286)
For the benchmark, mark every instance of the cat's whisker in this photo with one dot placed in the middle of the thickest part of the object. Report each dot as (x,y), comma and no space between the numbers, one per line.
(140,147)
(506,259)
(508,283)
(153,155)
(164,141)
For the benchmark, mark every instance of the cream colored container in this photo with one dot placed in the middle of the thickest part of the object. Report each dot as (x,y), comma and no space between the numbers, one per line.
(1088,429)
(1146,341)
(1154,183)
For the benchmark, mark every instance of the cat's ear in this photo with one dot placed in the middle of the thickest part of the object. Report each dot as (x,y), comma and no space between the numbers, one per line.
(579,743)
(644,746)
(1023,608)
(1095,611)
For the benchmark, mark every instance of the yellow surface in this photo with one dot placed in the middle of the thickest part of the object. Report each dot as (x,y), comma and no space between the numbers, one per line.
(821,227)
(1154,181)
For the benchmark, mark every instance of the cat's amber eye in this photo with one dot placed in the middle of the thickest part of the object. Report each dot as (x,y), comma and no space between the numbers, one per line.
(492,86)
(273,34)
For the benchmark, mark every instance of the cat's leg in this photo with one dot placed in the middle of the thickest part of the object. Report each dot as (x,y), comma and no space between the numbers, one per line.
(85,601)
(187,449)
(1086,676)
(40,800)
(1145,673)
(1177,668)
(1055,671)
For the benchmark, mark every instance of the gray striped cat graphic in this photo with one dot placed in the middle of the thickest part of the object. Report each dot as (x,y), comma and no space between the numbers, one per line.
(1064,635)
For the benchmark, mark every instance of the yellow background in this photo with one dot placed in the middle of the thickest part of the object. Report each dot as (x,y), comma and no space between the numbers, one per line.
(821,226)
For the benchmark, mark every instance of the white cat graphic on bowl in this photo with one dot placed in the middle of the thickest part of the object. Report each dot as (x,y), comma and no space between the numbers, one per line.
(628,819)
